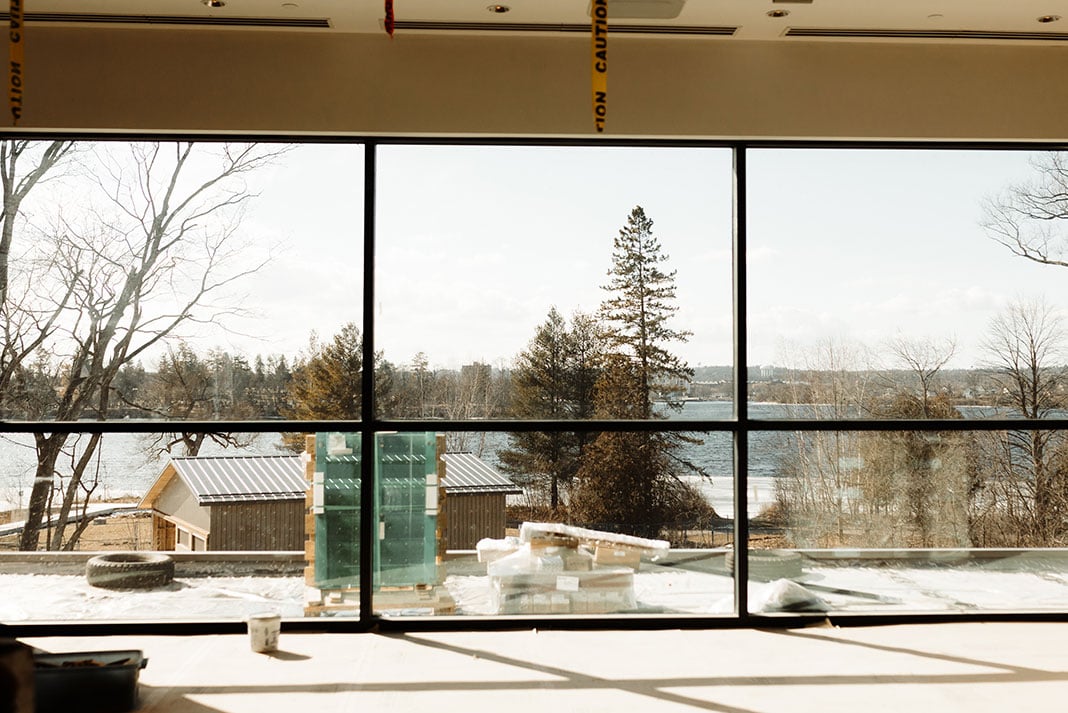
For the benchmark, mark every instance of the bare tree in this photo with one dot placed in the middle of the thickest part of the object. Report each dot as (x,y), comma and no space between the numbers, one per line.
(186,386)
(832,379)
(476,391)
(1025,216)
(17,180)
(27,319)
(924,358)
(1026,347)
(148,259)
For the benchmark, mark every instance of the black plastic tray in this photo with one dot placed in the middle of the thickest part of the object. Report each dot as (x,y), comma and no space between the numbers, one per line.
(87,681)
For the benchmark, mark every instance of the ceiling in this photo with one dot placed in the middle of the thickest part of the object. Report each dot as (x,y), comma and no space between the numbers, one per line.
(998,21)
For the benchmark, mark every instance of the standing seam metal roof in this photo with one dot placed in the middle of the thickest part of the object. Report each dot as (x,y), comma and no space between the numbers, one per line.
(467,473)
(234,479)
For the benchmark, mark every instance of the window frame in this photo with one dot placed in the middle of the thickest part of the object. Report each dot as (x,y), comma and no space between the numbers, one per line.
(740,426)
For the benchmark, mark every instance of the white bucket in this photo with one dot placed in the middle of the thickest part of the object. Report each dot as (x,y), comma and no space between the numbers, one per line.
(263,631)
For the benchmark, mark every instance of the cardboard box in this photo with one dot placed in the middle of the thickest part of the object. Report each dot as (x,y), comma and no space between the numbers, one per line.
(600,591)
(605,556)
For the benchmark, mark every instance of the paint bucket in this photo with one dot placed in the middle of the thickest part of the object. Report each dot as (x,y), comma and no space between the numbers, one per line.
(263,631)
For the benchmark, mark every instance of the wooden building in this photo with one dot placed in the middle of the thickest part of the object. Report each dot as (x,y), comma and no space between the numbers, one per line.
(474,501)
(228,503)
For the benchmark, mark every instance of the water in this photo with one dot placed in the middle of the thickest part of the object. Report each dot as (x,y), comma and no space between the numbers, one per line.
(128,466)
(127,463)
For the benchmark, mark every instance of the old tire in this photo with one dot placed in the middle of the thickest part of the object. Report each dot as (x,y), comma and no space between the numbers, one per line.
(130,570)
(769,564)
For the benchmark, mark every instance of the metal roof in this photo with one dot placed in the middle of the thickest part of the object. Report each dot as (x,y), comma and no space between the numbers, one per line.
(238,479)
(467,473)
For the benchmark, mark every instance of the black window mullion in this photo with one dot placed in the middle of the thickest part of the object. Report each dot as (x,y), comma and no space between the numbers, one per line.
(741,393)
(368,525)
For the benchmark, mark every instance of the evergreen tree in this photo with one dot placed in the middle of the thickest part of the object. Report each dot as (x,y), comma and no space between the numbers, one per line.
(630,481)
(636,314)
(327,384)
(553,379)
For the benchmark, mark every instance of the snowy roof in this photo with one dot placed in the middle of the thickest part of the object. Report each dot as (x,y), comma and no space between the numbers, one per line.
(467,473)
(235,479)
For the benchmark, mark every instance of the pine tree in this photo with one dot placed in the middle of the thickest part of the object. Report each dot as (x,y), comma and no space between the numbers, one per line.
(629,481)
(327,383)
(553,379)
(639,308)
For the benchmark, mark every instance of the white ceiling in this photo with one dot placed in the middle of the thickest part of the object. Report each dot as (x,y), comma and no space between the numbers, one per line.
(750,17)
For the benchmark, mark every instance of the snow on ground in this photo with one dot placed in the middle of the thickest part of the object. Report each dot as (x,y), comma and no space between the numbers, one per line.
(963,587)
(64,597)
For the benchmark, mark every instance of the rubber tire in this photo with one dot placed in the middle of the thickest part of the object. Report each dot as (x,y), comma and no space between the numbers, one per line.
(129,570)
(769,564)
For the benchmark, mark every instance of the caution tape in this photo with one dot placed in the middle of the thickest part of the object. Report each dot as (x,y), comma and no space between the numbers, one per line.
(599,62)
(15,76)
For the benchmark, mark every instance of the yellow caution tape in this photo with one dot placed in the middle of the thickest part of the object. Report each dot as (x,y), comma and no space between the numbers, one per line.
(599,35)
(15,77)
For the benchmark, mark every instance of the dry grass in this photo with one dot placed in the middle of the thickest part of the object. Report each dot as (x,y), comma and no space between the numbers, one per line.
(127,531)
(123,531)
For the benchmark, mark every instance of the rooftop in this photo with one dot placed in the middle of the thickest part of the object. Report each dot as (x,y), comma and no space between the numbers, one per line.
(467,473)
(235,479)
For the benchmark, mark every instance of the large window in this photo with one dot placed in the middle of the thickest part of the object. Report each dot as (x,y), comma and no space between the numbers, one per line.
(599,373)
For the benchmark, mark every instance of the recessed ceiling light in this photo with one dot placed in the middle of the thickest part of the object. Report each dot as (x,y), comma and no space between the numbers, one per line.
(499,9)
(1049,18)
(778,13)
(214,3)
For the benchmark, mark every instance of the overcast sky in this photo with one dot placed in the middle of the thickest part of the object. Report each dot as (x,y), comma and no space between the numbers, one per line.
(476,244)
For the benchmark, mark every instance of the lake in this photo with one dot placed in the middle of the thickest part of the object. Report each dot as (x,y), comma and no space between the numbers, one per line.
(128,466)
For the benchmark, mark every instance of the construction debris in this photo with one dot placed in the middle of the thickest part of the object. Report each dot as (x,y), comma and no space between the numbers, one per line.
(558,569)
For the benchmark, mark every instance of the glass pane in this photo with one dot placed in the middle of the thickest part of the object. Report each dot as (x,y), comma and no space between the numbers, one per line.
(540,523)
(897,284)
(907,521)
(141,535)
(512,281)
(176,280)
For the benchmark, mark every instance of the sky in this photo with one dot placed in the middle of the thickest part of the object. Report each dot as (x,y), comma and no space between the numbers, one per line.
(475,244)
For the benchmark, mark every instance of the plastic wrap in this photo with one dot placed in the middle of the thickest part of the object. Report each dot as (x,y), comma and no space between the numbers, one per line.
(653,549)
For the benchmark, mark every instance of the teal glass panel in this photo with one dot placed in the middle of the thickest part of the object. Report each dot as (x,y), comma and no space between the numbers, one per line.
(406,548)
(337,520)
(405,466)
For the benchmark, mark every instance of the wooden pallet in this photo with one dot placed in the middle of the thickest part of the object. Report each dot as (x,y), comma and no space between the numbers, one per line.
(422,600)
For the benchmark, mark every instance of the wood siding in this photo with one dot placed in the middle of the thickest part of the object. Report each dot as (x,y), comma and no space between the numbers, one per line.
(472,517)
(277,525)
(163,533)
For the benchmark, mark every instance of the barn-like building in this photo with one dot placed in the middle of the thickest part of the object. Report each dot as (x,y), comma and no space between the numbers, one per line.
(229,503)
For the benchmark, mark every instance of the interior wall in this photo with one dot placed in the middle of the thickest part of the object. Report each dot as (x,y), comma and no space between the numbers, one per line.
(258,81)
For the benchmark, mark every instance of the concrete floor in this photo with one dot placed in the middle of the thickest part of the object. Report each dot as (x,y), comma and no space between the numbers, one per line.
(905,669)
